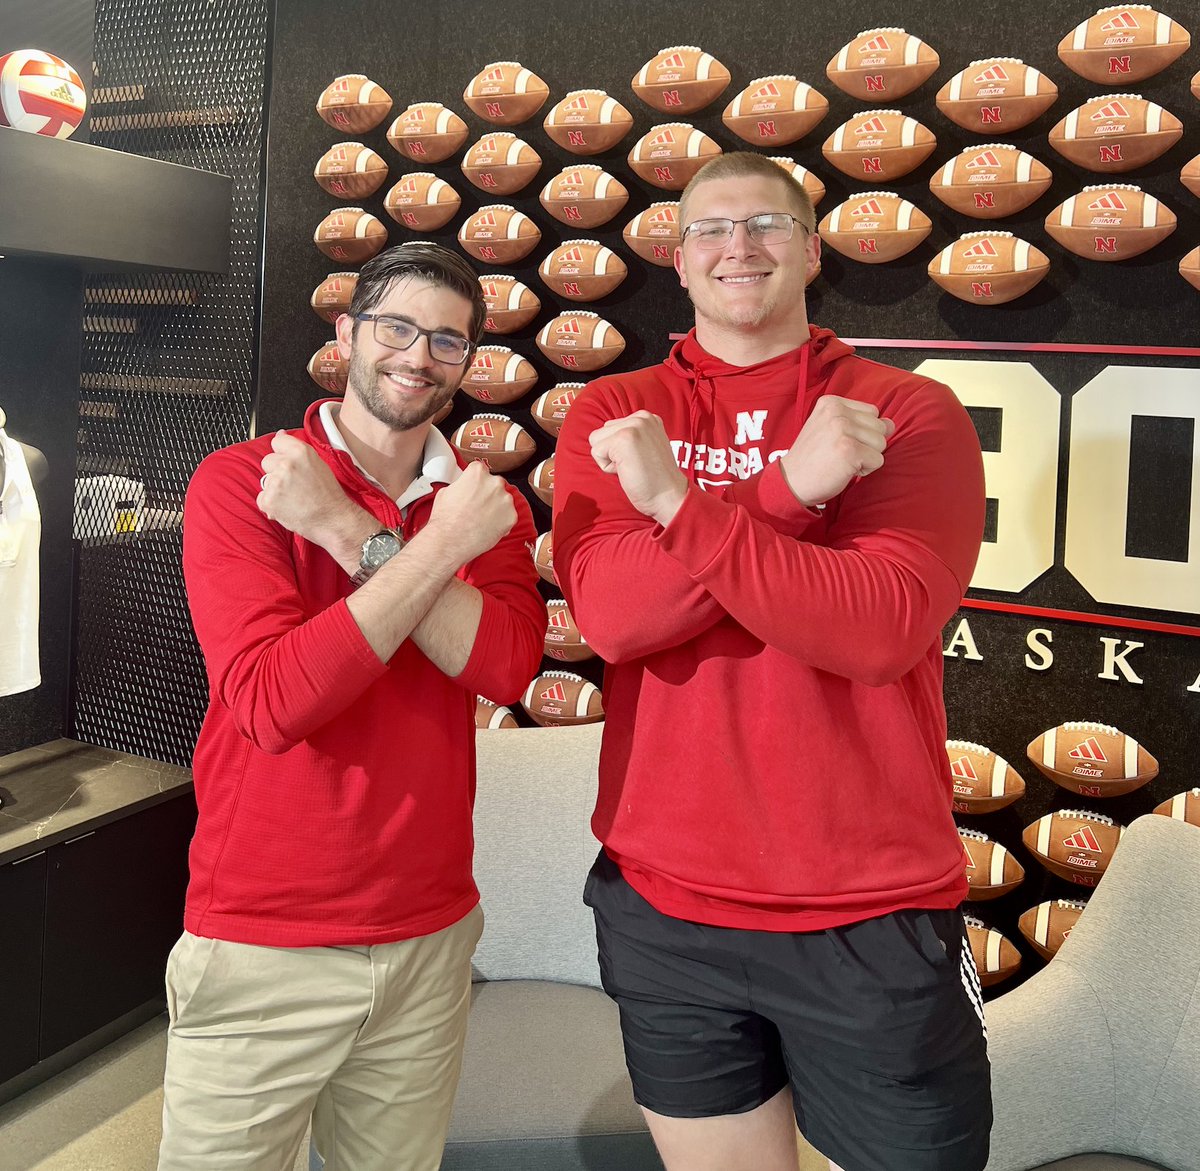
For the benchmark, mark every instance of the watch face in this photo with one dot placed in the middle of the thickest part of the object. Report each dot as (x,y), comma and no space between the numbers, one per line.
(380,548)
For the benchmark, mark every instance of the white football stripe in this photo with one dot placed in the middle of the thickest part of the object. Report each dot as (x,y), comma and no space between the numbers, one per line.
(993,949)
(511,367)
(360,228)
(514,294)
(364,159)
(956,84)
(911,48)
(908,133)
(443,120)
(838,137)
(1020,263)
(599,334)
(800,97)
(1079,40)
(1041,929)
(1131,756)
(694,141)
(497,716)
(434,194)
(1067,216)
(367,93)
(1043,835)
(1071,125)
(999,768)
(602,186)
(1024,167)
(1150,212)
(510,440)
(844,57)
(1032,76)
(606,110)
(581,704)
(1162,29)
(522,82)
(997,867)
(514,152)
(514,225)
(544,336)
(602,260)
(1049,746)
(704,67)
(641,77)
(904,216)
(1179,806)
(736,112)
(944,260)
(835,219)
(1154,118)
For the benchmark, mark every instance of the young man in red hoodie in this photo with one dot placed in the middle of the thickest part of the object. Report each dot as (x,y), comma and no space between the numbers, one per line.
(763,536)
(353,589)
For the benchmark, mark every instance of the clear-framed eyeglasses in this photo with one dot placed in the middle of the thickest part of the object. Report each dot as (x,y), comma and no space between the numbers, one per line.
(772,227)
(397,333)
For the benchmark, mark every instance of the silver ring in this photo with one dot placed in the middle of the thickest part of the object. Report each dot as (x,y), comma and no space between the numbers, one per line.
(262,482)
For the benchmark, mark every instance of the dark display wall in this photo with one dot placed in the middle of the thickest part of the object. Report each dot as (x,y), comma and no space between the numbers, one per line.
(168,365)
(40,306)
(1094,517)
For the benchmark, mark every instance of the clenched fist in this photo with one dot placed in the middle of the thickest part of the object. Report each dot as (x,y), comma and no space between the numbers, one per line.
(470,515)
(636,450)
(840,440)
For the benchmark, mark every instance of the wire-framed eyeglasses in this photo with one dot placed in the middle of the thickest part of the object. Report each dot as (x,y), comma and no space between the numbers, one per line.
(772,227)
(397,333)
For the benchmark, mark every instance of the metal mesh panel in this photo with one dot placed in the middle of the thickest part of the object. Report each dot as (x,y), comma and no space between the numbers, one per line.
(168,362)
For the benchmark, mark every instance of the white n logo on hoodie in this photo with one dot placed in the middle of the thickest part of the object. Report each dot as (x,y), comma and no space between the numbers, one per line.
(750,426)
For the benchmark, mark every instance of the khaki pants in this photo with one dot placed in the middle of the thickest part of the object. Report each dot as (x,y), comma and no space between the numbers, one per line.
(366,1040)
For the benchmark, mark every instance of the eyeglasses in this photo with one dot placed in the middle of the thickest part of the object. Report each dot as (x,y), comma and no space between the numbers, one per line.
(772,227)
(398,334)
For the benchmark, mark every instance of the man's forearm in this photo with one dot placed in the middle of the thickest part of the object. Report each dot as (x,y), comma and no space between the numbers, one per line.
(446,632)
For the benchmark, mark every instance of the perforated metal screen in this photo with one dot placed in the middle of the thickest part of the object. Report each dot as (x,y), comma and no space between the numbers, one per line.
(168,364)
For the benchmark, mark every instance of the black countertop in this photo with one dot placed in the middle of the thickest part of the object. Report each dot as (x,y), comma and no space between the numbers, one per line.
(61,789)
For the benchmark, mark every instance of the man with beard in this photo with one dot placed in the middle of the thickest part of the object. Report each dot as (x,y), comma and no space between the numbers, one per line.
(764,536)
(353,589)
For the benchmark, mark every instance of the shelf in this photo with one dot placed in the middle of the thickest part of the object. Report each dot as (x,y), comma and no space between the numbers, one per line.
(118,95)
(105,210)
(203,387)
(110,325)
(115,296)
(165,120)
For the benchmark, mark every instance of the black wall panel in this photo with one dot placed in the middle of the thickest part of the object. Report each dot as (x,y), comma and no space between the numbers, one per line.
(41,318)
(1142,301)
(995,698)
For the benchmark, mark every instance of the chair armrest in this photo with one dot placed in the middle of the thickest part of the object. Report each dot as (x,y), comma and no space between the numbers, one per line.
(1053,1079)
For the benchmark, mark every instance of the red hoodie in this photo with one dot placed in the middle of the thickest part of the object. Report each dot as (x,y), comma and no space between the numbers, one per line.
(774,746)
(335,790)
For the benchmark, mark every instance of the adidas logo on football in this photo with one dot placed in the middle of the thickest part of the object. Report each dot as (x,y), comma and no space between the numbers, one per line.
(984,247)
(988,160)
(871,126)
(1109,201)
(964,769)
(1124,21)
(1089,750)
(991,75)
(1112,110)
(877,44)
(1083,839)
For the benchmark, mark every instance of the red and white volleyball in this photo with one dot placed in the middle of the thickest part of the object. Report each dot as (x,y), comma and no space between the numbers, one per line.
(40,93)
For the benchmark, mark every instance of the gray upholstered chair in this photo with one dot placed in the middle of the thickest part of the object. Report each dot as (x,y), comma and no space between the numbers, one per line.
(544,1086)
(1096,1059)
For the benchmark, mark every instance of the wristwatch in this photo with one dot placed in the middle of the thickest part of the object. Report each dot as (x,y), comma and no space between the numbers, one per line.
(377,550)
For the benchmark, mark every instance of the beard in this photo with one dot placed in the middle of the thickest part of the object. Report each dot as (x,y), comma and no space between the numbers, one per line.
(731,316)
(364,381)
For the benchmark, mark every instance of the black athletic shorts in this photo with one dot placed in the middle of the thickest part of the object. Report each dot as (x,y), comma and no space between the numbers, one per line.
(877,1026)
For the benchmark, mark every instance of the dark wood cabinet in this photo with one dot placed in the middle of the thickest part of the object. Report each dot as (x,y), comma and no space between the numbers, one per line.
(23,906)
(114,908)
(86,926)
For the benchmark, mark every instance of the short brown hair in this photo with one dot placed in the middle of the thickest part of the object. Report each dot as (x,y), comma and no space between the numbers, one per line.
(426,261)
(740,164)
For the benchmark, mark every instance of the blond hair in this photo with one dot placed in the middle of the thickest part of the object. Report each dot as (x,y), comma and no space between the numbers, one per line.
(741,164)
